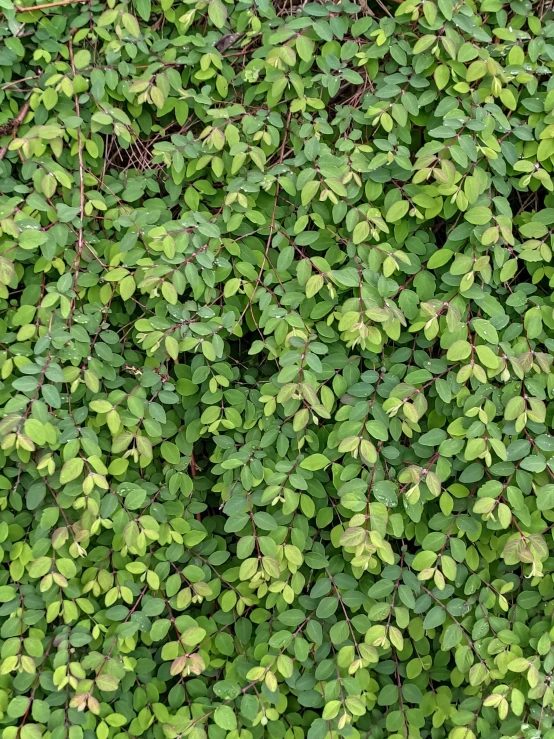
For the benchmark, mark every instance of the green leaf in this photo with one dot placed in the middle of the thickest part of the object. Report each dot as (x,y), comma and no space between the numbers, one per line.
(225,718)
(452,636)
(478,215)
(361,232)
(545,498)
(71,470)
(314,462)
(459,350)
(397,211)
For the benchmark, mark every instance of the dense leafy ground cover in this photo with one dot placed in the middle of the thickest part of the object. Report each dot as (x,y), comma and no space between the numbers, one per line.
(276,339)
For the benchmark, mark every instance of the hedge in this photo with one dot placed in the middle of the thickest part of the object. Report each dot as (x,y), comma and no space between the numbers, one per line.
(276,344)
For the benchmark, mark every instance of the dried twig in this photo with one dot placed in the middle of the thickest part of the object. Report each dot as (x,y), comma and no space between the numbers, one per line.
(225,42)
(15,125)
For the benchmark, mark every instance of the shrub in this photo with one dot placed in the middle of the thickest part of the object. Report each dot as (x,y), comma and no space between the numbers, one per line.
(276,369)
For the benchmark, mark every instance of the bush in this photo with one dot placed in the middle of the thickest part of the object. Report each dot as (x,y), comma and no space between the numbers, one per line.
(276,351)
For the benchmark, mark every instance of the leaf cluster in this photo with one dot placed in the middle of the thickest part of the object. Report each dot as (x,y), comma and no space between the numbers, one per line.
(276,385)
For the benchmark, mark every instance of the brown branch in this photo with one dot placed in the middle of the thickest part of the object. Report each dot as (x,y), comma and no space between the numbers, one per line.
(80,239)
(45,6)
(17,122)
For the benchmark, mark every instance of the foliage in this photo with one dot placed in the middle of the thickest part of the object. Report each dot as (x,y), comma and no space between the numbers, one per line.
(276,385)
